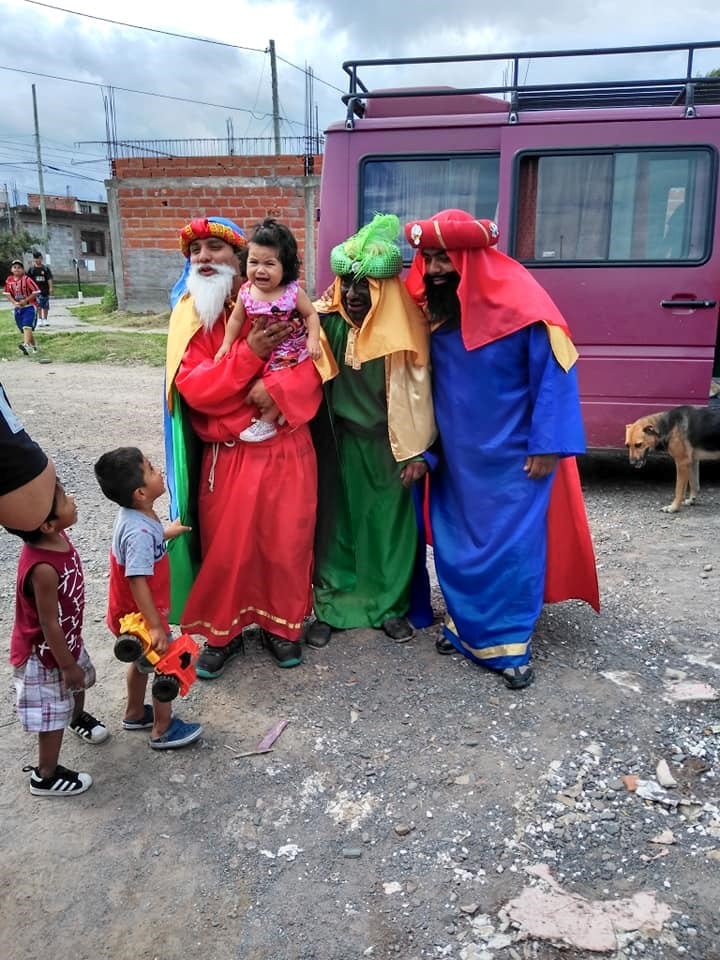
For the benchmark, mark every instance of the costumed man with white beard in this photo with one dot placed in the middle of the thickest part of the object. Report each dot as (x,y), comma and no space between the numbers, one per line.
(252,505)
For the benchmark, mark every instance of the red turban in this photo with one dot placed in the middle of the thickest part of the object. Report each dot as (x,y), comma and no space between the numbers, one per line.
(497,294)
(461,233)
(202,228)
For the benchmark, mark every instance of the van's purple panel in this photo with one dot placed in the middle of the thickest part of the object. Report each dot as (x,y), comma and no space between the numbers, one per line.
(636,357)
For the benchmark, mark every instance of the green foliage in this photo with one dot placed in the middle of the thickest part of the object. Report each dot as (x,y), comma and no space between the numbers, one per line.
(14,245)
(714,73)
(109,300)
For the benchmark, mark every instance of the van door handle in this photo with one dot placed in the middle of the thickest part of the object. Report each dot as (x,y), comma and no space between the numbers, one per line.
(688,304)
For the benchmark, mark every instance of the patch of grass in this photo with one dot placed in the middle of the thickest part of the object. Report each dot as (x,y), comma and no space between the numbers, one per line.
(98,317)
(70,289)
(92,346)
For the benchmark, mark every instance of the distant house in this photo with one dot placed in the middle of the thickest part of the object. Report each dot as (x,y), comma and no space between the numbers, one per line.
(78,230)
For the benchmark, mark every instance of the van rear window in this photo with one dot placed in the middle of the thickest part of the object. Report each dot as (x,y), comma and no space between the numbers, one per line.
(412,185)
(621,206)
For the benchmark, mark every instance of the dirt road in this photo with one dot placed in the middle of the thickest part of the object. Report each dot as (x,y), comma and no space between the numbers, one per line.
(409,805)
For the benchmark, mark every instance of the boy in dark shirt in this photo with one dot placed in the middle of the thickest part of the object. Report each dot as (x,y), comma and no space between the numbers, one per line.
(42,275)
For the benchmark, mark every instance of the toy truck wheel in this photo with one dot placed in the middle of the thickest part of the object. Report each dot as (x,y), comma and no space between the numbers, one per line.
(128,648)
(165,688)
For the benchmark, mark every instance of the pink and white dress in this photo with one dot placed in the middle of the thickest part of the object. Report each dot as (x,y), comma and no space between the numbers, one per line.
(293,349)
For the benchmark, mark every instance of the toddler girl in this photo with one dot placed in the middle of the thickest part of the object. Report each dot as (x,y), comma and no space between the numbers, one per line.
(272,294)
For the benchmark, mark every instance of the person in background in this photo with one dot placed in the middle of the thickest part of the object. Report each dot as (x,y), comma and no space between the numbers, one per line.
(508,412)
(42,275)
(22,293)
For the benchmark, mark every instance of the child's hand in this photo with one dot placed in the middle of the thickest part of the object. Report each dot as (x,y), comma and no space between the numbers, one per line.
(159,639)
(73,678)
(175,529)
(313,345)
(221,352)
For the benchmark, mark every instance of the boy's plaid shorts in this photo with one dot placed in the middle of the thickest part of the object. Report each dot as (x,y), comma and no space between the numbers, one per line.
(43,703)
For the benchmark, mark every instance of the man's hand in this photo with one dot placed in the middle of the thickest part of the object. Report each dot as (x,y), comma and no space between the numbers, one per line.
(263,341)
(259,397)
(175,529)
(540,465)
(412,472)
(73,677)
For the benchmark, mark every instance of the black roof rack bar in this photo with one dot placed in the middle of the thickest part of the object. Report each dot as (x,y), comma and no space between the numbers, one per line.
(668,84)
(358,89)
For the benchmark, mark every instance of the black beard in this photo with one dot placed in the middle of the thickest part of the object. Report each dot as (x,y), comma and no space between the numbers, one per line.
(442,301)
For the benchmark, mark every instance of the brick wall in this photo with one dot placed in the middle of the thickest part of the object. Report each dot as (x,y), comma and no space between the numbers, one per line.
(151,198)
(52,202)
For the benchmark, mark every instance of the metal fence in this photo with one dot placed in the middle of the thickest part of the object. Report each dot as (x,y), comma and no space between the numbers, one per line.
(219,147)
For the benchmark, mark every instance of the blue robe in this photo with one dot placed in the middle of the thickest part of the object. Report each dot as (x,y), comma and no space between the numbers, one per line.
(495,406)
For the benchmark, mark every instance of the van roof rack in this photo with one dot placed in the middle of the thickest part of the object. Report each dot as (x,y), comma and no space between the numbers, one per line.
(686,90)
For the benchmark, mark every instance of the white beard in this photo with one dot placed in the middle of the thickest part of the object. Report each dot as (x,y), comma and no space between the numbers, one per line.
(210,292)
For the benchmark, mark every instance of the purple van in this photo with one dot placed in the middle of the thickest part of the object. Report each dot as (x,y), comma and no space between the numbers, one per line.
(606,190)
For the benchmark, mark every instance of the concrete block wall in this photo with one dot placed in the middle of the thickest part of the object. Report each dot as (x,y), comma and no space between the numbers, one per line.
(150,199)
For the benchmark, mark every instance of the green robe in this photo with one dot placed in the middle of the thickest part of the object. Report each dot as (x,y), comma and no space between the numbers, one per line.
(366,532)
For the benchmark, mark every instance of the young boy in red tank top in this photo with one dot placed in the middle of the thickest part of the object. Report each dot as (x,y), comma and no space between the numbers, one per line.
(52,669)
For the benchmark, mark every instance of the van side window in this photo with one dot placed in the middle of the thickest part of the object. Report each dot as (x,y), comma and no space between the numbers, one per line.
(415,187)
(615,206)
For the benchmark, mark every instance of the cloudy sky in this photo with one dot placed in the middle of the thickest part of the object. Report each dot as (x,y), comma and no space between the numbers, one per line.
(79,63)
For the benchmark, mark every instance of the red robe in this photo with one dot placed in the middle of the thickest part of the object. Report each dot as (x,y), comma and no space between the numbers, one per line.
(257,501)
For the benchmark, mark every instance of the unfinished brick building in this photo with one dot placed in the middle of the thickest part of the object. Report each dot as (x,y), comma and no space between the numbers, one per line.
(150,199)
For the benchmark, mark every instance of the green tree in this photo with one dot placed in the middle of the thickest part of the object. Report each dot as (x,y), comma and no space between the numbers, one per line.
(14,245)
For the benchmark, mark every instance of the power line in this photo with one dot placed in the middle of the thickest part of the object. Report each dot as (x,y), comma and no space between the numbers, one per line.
(178,36)
(144,93)
(49,167)
(135,26)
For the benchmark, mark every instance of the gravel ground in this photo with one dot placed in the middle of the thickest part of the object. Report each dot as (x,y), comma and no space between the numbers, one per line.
(409,806)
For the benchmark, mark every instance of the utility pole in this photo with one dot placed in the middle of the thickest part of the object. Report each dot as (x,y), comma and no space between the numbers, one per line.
(275,101)
(7,207)
(43,211)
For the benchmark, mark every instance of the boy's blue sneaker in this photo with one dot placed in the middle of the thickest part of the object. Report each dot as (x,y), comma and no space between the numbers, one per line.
(142,723)
(178,734)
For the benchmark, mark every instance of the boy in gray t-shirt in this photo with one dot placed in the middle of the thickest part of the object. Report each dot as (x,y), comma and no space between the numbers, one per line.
(140,582)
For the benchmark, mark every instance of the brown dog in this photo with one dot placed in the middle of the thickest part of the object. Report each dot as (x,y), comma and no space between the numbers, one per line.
(689,434)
